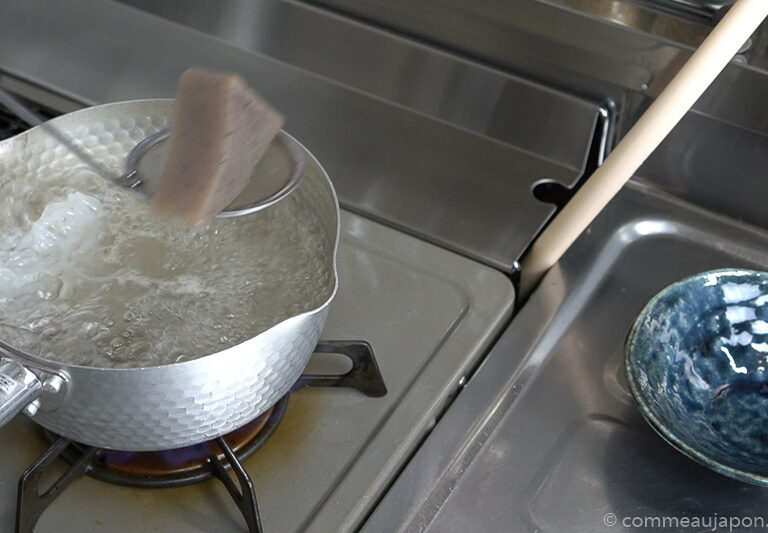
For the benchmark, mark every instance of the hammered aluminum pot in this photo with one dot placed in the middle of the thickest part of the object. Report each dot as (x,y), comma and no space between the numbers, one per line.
(163,407)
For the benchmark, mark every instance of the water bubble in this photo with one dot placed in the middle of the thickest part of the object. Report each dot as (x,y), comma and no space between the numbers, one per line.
(89,329)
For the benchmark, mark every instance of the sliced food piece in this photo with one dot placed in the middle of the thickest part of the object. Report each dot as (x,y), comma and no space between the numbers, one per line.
(220,129)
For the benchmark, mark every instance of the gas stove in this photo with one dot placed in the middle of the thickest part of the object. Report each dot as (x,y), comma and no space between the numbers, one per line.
(428,315)
(333,446)
(447,166)
(192,464)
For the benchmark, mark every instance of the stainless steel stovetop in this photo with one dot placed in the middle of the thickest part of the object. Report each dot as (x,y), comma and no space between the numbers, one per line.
(447,166)
(555,442)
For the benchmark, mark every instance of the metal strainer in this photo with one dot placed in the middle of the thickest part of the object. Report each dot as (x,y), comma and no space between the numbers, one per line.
(275,176)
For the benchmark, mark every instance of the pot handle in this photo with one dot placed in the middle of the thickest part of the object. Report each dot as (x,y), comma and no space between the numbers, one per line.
(20,389)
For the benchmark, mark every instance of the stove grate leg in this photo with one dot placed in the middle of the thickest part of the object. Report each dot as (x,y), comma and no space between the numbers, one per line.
(31,503)
(244,495)
(364,376)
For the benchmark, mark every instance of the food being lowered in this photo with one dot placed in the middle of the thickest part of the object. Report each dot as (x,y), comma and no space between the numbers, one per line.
(219,130)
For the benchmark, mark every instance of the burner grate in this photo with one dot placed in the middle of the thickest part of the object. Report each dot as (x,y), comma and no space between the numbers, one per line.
(364,376)
(103,469)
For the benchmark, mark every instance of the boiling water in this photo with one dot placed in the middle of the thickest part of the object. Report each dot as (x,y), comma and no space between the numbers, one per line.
(88,277)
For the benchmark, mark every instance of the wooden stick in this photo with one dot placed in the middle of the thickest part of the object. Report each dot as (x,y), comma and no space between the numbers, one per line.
(675,100)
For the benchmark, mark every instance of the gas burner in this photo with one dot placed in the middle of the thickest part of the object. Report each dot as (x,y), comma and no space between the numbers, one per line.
(184,466)
(180,466)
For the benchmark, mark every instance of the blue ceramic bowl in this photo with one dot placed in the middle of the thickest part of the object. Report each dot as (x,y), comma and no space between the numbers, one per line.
(697,365)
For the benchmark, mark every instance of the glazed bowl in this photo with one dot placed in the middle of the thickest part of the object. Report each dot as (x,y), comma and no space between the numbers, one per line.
(696,362)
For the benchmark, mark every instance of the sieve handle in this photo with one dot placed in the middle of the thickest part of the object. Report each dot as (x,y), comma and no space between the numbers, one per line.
(27,115)
(20,389)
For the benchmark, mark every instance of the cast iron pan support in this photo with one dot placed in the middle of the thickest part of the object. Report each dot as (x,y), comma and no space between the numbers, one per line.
(31,502)
(364,376)
(244,495)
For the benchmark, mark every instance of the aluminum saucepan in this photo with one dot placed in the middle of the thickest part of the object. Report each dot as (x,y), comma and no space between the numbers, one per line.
(163,407)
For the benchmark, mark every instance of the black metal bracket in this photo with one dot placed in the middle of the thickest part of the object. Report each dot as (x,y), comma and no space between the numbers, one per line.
(364,376)
(30,503)
(244,495)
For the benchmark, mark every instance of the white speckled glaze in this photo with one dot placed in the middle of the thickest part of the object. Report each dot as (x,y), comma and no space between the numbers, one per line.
(164,407)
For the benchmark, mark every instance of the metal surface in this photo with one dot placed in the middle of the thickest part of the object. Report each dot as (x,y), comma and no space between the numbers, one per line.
(364,375)
(428,142)
(184,403)
(19,387)
(545,436)
(31,500)
(676,20)
(242,492)
(688,7)
(51,383)
(430,316)
(266,188)
(143,164)
(32,503)
(466,94)
(104,472)
(554,440)
(619,50)
(19,109)
(715,165)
